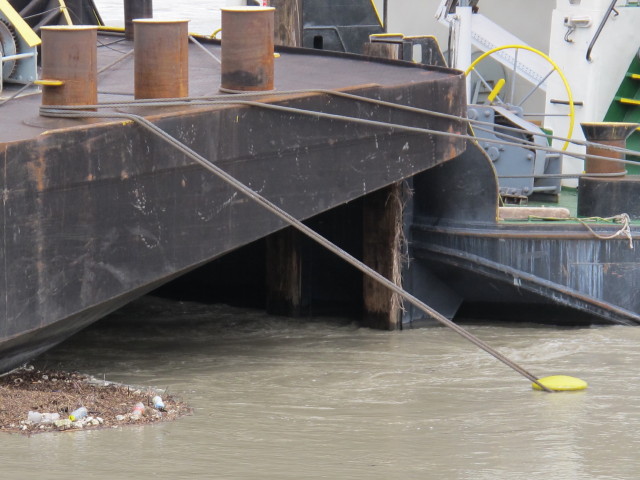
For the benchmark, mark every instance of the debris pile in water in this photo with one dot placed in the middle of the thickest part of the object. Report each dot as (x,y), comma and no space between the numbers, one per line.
(35,401)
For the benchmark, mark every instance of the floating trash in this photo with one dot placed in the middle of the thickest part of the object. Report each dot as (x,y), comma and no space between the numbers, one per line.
(71,401)
(158,403)
(78,414)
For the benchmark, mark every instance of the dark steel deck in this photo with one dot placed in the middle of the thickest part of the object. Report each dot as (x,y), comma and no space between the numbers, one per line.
(295,69)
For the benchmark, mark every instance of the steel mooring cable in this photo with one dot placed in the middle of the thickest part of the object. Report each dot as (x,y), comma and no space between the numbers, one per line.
(297,224)
(233,100)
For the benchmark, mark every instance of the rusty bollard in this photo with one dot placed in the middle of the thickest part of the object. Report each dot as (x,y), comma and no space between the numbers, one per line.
(161,58)
(612,192)
(613,134)
(69,65)
(247,48)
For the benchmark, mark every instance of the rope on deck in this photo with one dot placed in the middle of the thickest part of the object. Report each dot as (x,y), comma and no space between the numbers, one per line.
(625,229)
(622,218)
(294,222)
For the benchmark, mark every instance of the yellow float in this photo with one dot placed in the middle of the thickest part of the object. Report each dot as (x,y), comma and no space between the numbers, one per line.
(561,383)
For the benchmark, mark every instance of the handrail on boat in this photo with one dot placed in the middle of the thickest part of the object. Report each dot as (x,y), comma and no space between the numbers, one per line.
(610,9)
(328,27)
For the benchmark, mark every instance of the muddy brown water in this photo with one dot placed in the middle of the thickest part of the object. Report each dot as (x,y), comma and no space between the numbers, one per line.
(278,398)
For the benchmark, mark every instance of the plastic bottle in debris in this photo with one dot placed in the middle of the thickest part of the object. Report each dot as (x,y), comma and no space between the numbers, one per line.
(138,410)
(34,417)
(48,418)
(158,404)
(78,414)
(45,418)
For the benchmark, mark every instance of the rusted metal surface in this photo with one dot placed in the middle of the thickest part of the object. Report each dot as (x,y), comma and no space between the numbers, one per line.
(297,69)
(97,213)
(161,58)
(602,196)
(247,48)
(139,214)
(607,133)
(134,9)
(69,55)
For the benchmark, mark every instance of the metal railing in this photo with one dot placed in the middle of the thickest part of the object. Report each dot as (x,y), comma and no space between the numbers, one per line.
(611,8)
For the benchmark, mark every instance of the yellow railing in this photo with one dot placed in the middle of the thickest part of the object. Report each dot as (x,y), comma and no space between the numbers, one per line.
(572,111)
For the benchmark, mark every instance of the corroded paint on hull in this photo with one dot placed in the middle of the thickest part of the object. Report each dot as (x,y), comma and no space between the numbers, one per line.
(598,277)
(456,237)
(94,215)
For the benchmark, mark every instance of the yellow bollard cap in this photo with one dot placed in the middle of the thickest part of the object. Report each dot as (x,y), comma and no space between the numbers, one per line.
(561,383)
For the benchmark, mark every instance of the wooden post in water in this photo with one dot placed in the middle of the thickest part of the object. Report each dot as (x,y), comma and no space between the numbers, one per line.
(382,251)
(284,272)
(288,22)
(135,9)
(382,237)
(284,257)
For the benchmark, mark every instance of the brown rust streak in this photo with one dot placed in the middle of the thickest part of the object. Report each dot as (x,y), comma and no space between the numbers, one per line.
(37,169)
(457,127)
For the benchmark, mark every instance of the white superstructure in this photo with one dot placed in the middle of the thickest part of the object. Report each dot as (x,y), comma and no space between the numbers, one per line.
(594,81)
(562,29)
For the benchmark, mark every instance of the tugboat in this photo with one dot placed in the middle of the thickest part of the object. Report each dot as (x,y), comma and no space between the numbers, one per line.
(495,232)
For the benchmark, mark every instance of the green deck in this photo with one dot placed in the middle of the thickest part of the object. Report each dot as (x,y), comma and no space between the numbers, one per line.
(569,200)
(621,112)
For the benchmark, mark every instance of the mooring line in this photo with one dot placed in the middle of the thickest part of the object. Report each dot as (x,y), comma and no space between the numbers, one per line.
(116,61)
(15,94)
(568,175)
(294,222)
(518,141)
(193,40)
(229,100)
(432,113)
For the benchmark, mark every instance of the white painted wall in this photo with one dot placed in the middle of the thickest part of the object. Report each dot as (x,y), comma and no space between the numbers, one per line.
(417,17)
(594,83)
(530,24)
(537,24)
